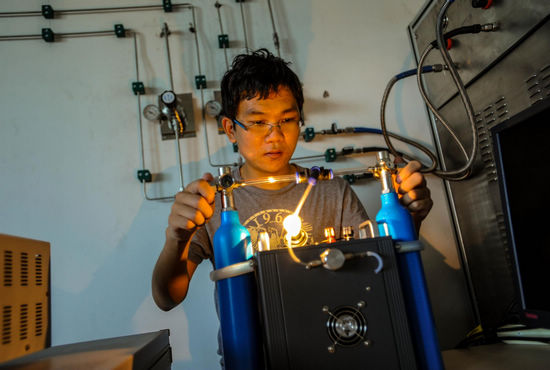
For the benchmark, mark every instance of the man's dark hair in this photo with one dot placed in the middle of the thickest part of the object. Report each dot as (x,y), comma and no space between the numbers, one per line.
(259,73)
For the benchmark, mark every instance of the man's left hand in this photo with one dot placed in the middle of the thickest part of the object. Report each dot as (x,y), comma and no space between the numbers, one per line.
(414,194)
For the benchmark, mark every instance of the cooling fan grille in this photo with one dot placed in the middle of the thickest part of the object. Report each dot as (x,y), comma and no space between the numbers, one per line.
(346,326)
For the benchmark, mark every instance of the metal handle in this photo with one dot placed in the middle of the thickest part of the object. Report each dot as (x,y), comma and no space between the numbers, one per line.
(362,231)
(411,246)
(230,271)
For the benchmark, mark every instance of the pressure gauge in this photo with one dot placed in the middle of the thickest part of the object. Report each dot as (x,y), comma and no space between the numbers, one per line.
(151,112)
(168,98)
(213,108)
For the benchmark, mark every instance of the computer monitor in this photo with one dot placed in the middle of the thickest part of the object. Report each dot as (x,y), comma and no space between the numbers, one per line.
(521,147)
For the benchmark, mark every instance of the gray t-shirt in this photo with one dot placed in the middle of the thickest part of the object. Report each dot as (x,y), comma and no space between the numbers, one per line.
(330,204)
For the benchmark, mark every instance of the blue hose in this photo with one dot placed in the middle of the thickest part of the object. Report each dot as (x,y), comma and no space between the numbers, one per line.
(367,130)
(412,72)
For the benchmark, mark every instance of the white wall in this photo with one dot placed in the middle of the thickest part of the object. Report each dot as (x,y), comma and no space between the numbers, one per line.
(69,148)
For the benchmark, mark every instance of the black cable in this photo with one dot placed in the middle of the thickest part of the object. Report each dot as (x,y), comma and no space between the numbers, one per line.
(334,131)
(403,139)
(462,91)
(442,120)
(386,134)
(474,28)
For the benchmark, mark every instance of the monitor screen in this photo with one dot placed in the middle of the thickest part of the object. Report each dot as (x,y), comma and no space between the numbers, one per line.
(521,147)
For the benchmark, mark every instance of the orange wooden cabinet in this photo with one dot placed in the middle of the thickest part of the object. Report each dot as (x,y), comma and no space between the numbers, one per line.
(24,296)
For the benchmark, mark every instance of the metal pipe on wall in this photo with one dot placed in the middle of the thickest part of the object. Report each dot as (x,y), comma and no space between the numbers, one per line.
(218,6)
(165,32)
(244,26)
(140,127)
(58,35)
(93,10)
(203,112)
(275,35)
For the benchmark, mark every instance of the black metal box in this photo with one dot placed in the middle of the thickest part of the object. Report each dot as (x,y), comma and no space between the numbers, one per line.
(351,318)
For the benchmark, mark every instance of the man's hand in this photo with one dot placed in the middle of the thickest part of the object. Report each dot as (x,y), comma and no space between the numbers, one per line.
(414,194)
(192,208)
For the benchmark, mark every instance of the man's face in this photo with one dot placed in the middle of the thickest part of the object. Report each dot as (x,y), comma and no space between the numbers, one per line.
(269,153)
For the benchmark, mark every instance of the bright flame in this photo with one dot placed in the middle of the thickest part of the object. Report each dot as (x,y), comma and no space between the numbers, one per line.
(271,179)
(292,224)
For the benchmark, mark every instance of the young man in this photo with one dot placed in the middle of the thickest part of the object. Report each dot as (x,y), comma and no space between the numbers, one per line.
(262,103)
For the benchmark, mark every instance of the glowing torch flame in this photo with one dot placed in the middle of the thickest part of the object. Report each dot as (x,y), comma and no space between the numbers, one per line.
(292,224)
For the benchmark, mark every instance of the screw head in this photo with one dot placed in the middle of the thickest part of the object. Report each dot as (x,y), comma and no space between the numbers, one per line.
(445,22)
(368,288)
(367,343)
(331,349)
(325,309)
(361,304)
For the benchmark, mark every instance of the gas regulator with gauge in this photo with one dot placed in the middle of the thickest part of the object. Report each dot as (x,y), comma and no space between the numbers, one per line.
(164,113)
(213,108)
(151,112)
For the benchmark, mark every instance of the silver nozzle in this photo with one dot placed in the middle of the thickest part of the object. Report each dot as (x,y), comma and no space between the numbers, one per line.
(382,156)
(228,203)
(385,168)
(490,27)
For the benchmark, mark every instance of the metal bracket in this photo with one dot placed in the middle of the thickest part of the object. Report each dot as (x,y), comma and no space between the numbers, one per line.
(138,88)
(120,31)
(309,134)
(223,41)
(350,178)
(412,246)
(48,35)
(47,11)
(230,271)
(167,6)
(144,175)
(330,155)
(200,82)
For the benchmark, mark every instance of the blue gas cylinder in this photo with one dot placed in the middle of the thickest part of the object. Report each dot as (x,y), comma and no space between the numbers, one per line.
(237,297)
(396,218)
(395,221)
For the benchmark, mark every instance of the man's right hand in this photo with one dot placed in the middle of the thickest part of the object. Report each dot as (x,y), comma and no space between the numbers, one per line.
(192,208)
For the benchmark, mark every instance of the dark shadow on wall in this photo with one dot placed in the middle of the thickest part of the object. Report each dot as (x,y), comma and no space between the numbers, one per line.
(451,304)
